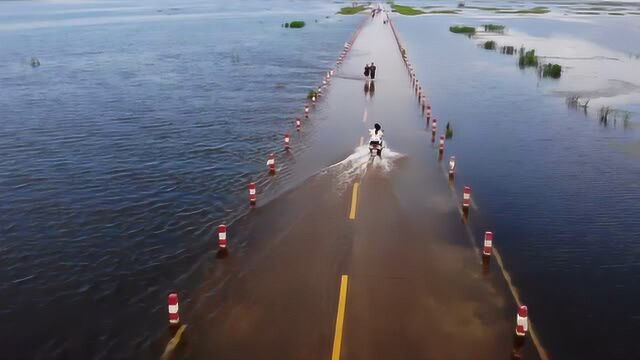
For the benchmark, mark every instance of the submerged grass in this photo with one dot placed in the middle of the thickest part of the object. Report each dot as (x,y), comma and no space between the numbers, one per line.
(527,58)
(534,10)
(489,45)
(296,24)
(351,10)
(485,8)
(406,10)
(458,29)
(451,11)
(552,71)
(508,50)
(494,28)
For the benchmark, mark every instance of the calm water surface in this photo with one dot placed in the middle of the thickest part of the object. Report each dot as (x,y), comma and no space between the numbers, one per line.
(556,187)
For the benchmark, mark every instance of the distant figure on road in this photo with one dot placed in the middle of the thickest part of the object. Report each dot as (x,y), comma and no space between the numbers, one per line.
(367,69)
(372,70)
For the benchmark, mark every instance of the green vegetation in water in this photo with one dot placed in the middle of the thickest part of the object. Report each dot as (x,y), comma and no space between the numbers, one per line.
(494,28)
(351,10)
(406,10)
(311,94)
(448,11)
(462,29)
(527,58)
(485,8)
(551,70)
(449,132)
(534,10)
(586,13)
(489,45)
(508,50)
(296,24)
(616,14)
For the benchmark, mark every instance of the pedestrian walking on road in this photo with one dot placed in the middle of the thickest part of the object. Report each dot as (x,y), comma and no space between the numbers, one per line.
(372,71)
(367,70)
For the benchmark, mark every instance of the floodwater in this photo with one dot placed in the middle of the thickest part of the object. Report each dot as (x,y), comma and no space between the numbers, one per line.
(135,137)
(140,129)
(559,189)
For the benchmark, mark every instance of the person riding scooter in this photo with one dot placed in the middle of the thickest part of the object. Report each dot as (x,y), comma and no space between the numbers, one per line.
(375,139)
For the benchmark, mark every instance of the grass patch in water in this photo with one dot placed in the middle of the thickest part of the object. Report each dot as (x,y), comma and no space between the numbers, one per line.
(451,11)
(534,10)
(406,10)
(494,28)
(508,50)
(458,29)
(351,10)
(586,13)
(485,8)
(311,94)
(296,24)
(552,71)
(527,58)
(489,45)
(616,14)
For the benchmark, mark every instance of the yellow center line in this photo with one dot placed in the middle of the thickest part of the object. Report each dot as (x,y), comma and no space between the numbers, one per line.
(171,346)
(342,302)
(354,201)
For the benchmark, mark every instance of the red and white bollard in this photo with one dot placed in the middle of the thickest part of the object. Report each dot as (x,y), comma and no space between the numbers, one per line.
(466,198)
(271,164)
(287,140)
(452,167)
(298,124)
(313,99)
(441,145)
(306,110)
(222,236)
(174,309)
(331,72)
(488,243)
(419,92)
(522,321)
(434,128)
(253,197)
(417,85)
(324,82)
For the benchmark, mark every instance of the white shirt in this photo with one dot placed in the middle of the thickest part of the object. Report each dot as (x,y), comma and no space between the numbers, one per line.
(374,136)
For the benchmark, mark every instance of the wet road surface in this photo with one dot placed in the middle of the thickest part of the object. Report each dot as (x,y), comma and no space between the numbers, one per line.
(388,232)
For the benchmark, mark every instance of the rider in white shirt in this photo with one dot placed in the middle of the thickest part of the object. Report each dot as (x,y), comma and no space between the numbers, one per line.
(376,135)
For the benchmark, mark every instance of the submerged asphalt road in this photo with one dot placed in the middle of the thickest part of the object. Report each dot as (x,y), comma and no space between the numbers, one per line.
(412,285)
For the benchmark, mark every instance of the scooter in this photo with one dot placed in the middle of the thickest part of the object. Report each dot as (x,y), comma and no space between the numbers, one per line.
(376,149)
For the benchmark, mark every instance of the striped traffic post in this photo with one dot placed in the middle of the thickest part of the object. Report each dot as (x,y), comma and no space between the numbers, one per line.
(253,197)
(174,309)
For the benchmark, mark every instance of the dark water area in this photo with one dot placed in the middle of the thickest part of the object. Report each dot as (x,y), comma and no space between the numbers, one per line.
(135,137)
(553,185)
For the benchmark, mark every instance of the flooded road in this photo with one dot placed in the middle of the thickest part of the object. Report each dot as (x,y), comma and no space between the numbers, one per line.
(390,226)
(140,130)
